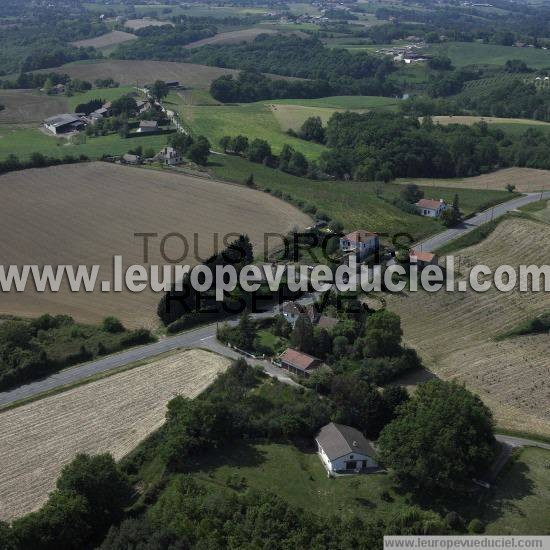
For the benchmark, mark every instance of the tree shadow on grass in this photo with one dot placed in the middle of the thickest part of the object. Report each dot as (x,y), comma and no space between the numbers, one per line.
(241,454)
(512,485)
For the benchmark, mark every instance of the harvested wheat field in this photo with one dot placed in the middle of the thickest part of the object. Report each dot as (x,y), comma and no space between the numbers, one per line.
(105,40)
(26,107)
(232,37)
(526,180)
(455,332)
(87,213)
(136,24)
(112,415)
(129,71)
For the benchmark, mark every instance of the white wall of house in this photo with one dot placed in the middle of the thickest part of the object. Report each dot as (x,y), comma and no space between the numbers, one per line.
(362,249)
(432,212)
(342,463)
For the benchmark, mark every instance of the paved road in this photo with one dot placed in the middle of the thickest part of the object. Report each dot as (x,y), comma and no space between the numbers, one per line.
(437,241)
(203,337)
(521,442)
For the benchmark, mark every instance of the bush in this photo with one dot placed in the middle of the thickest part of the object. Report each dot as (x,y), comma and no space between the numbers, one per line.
(476,527)
(112,325)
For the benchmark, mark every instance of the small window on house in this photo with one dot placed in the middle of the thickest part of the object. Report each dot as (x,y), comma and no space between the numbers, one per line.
(351,457)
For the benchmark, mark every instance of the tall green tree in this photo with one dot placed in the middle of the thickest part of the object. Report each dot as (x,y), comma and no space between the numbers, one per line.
(383,334)
(302,335)
(441,438)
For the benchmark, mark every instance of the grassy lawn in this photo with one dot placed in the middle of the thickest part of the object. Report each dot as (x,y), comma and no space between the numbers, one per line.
(107,94)
(25,141)
(521,502)
(475,53)
(356,204)
(300,478)
(270,341)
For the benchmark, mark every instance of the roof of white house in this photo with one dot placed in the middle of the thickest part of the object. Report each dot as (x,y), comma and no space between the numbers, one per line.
(148,124)
(338,440)
(360,236)
(431,204)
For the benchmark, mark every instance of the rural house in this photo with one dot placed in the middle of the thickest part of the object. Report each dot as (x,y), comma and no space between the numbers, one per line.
(431,207)
(292,310)
(423,258)
(60,124)
(361,243)
(299,363)
(344,449)
(148,126)
(169,156)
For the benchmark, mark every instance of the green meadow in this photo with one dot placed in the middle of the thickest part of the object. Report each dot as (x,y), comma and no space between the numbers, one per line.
(25,141)
(254,120)
(476,53)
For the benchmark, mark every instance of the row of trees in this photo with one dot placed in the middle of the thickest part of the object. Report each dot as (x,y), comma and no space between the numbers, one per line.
(259,151)
(252,85)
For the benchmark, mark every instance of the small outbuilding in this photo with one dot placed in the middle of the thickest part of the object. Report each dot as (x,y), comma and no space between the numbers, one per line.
(148,126)
(297,362)
(344,449)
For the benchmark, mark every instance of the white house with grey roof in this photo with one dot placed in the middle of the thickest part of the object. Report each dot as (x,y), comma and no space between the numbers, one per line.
(344,449)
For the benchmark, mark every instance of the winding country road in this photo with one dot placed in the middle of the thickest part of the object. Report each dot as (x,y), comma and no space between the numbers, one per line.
(205,337)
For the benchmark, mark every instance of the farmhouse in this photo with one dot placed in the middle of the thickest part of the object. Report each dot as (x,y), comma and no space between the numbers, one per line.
(299,363)
(431,208)
(169,156)
(172,83)
(292,311)
(63,123)
(344,449)
(361,243)
(423,258)
(148,126)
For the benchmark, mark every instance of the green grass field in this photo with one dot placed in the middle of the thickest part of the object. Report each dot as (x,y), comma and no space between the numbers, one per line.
(107,94)
(358,205)
(267,119)
(300,478)
(475,53)
(25,141)
(254,120)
